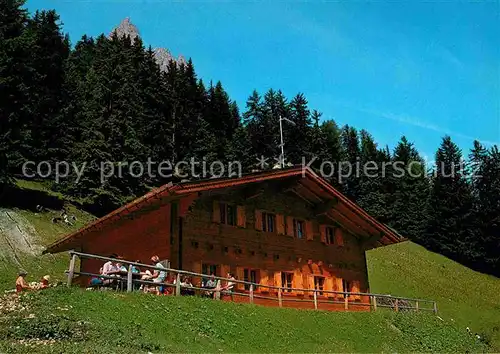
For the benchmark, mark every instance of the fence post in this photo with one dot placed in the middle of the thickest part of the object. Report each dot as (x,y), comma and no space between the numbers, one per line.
(435,307)
(251,293)
(129,278)
(416,306)
(374,298)
(346,301)
(396,306)
(315,300)
(71,269)
(217,290)
(178,285)
(280,299)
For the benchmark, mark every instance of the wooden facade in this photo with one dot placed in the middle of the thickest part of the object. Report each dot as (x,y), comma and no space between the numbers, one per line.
(285,228)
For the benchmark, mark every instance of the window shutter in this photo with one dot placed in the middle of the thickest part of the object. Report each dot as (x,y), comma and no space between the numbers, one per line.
(289,226)
(355,289)
(216,211)
(338,286)
(310,278)
(241,216)
(297,281)
(309,230)
(240,275)
(280,221)
(339,239)
(277,279)
(329,285)
(264,280)
(258,220)
(322,231)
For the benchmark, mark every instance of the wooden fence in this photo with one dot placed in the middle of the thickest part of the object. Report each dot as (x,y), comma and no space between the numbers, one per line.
(375,302)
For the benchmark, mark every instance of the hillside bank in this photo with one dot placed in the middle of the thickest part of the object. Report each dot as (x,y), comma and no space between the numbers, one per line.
(75,321)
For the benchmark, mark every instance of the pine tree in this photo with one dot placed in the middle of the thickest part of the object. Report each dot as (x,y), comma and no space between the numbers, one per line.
(219,115)
(372,192)
(450,225)
(273,107)
(154,124)
(15,79)
(351,168)
(45,130)
(327,146)
(408,191)
(299,134)
(486,181)
(262,122)
(239,150)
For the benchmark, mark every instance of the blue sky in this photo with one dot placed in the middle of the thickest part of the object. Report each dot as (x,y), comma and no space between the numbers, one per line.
(421,69)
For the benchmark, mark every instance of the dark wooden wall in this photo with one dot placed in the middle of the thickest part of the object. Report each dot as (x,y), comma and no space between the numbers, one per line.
(187,235)
(135,238)
(233,248)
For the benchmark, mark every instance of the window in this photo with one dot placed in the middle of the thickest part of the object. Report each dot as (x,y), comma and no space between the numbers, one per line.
(345,286)
(208,269)
(298,228)
(286,281)
(252,276)
(227,214)
(268,222)
(319,283)
(330,235)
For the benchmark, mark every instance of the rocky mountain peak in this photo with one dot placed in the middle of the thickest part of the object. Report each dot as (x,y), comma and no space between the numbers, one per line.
(126,28)
(162,55)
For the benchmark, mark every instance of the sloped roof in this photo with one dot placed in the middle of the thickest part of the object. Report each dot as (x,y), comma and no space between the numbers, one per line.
(307,185)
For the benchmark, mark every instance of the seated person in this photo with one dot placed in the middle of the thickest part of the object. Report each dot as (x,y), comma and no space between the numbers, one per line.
(137,272)
(228,288)
(44,283)
(109,268)
(136,269)
(21,283)
(121,267)
(230,284)
(210,284)
(122,274)
(96,281)
(186,284)
(165,289)
(168,289)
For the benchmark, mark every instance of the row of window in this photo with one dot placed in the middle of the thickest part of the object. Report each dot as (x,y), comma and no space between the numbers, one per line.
(253,276)
(269,225)
(228,214)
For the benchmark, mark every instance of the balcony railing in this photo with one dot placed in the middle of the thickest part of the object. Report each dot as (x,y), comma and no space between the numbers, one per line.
(280,294)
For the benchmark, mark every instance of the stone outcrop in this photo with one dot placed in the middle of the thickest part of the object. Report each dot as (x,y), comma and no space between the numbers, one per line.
(162,55)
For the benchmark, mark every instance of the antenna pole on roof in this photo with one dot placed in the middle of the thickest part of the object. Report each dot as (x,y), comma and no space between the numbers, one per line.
(282,157)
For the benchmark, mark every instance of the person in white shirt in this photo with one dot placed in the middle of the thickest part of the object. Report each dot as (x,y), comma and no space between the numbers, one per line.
(230,284)
(108,269)
(158,275)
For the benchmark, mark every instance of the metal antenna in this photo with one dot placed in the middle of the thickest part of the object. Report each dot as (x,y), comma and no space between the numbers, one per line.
(282,157)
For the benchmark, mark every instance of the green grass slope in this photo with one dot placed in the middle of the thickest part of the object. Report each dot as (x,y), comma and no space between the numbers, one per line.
(44,232)
(73,320)
(108,322)
(465,297)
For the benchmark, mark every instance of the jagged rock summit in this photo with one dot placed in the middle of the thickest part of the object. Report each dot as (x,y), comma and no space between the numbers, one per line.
(162,55)
(126,28)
